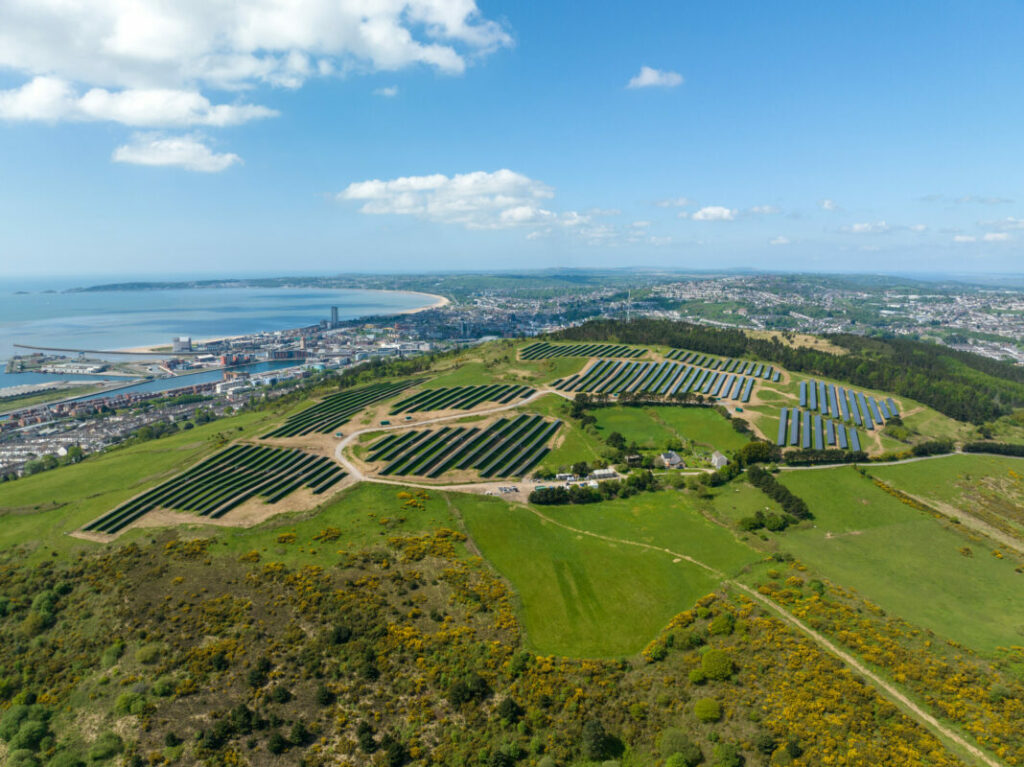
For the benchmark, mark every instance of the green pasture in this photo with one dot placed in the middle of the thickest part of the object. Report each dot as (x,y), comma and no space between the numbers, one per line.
(654,427)
(906,561)
(580,596)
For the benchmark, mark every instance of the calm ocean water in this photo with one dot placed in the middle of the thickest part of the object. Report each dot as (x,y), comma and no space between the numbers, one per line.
(125,319)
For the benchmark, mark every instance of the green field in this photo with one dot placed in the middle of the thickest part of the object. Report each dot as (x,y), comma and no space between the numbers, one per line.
(655,427)
(905,560)
(987,486)
(580,596)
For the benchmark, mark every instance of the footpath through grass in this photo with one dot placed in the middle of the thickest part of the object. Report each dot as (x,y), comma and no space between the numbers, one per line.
(911,564)
(584,597)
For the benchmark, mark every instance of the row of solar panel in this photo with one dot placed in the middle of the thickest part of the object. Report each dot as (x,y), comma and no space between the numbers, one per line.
(740,367)
(846,404)
(665,378)
(812,432)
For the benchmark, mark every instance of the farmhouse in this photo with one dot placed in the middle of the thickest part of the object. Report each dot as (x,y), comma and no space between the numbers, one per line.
(670,460)
(718,460)
(603,474)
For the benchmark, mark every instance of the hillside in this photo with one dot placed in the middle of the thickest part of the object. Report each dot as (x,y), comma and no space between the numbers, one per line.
(370,573)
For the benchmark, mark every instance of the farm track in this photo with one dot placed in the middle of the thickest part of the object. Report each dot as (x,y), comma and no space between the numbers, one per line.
(886,688)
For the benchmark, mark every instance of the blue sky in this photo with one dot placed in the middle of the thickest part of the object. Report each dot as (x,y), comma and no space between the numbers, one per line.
(276,136)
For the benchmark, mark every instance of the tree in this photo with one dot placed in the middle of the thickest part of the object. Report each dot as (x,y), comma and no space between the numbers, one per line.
(595,739)
(616,440)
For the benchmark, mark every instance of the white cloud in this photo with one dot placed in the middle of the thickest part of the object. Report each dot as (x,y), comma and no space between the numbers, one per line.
(188,152)
(655,78)
(918,228)
(230,44)
(714,213)
(51,99)
(765,210)
(1007,224)
(967,199)
(780,240)
(641,224)
(827,204)
(147,62)
(675,202)
(390,92)
(479,200)
(996,237)
(870,227)
(964,238)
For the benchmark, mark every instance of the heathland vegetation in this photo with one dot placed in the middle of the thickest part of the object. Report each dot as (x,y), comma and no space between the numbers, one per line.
(398,621)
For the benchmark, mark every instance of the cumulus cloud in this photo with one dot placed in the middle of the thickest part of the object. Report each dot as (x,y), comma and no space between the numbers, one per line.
(827,204)
(964,238)
(655,78)
(996,237)
(869,227)
(780,240)
(765,210)
(51,99)
(478,200)
(233,45)
(390,92)
(714,213)
(188,152)
(148,63)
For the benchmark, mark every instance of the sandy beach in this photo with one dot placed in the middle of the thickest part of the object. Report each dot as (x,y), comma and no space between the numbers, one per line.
(438,302)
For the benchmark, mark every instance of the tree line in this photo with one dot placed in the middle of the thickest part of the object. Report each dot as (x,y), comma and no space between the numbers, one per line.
(958,384)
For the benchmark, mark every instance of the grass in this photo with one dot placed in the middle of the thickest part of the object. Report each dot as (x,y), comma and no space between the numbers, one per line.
(46,506)
(580,596)
(904,560)
(654,427)
(365,514)
(668,519)
(987,486)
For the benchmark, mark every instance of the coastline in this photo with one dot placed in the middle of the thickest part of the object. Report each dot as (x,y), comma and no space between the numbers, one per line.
(439,301)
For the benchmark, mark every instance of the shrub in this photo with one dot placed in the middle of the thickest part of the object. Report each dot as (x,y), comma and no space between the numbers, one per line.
(29,735)
(722,625)
(727,755)
(106,746)
(65,759)
(707,710)
(717,665)
(280,694)
(595,740)
(276,743)
(679,749)
(697,676)
(112,654)
(148,654)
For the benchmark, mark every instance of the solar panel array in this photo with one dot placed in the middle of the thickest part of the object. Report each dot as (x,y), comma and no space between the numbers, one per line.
(460,397)
(336,410)
(543,350)
(661,378)
(226,480)
(727,364)
(507,448)
(810,431)
(846,404)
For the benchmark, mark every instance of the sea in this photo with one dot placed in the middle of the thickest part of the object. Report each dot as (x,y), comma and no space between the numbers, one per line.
(44,312)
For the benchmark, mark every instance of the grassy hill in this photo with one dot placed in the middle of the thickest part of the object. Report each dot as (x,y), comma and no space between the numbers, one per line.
(399,621)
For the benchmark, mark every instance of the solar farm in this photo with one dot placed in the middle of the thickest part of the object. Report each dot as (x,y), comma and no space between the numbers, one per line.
(225,481)
(735,381)
(809,431)
(510,447)
(461,397)
(846,404)
(543,351)
(337,409)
